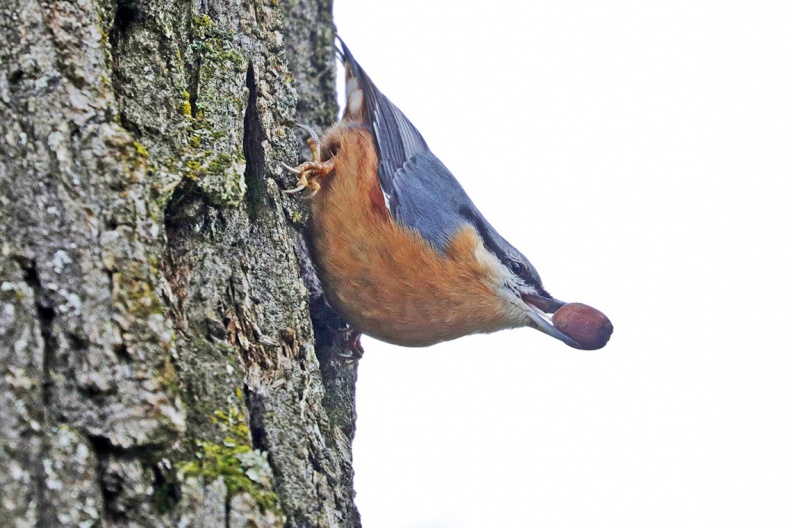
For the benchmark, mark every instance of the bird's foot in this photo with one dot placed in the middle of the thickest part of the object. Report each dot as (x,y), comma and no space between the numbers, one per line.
(308,173)
(352,350)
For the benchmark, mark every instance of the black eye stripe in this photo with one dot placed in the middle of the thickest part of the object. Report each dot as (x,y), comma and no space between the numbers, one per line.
(485,232)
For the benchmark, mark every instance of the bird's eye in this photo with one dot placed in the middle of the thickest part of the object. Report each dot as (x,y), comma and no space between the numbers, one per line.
(515,267)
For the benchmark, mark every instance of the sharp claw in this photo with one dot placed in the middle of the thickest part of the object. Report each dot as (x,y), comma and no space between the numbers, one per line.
(309,172)
(290,169)
(310,130)
(313,142)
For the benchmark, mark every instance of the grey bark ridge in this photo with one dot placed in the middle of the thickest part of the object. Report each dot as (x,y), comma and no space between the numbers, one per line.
(158,363)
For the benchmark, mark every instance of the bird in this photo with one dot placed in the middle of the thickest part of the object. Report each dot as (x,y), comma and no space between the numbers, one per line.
(400,249)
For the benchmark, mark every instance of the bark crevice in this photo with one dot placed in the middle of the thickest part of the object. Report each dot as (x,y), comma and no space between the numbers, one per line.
(45,312)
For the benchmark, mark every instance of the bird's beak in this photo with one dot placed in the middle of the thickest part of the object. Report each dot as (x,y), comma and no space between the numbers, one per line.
(538,309)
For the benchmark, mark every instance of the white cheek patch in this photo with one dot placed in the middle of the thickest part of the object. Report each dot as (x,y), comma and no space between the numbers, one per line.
(506,285)
(490,263)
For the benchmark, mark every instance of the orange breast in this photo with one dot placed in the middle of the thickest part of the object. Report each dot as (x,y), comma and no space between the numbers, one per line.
(383,278)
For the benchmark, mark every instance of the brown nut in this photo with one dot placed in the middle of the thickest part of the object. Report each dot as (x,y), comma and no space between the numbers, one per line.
(586,325)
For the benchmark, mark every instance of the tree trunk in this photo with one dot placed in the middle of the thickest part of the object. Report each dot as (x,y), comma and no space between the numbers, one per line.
(158,359)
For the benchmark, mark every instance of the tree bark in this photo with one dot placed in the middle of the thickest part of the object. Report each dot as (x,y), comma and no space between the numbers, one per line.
(159,361)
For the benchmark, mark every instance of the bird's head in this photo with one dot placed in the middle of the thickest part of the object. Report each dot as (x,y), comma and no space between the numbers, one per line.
(519,285)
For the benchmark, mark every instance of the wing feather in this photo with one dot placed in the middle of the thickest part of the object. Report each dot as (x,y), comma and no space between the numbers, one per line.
(420,192)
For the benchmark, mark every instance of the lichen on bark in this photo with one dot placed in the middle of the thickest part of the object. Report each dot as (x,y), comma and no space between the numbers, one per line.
(158,358)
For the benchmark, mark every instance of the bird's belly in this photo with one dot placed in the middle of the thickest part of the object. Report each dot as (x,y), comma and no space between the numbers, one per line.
(384,279)
(380,291)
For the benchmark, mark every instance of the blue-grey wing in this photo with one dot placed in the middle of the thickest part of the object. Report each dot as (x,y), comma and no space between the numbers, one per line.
(420,192)
(430,200)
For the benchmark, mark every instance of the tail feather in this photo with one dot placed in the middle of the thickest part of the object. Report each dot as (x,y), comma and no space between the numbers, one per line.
(356,81)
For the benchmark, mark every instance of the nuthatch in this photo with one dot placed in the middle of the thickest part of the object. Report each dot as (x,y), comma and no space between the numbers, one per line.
(400,249)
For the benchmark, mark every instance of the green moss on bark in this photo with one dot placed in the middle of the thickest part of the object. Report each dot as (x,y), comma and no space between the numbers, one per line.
(242,468)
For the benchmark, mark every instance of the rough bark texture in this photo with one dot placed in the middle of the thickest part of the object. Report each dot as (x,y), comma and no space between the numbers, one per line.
(157,352)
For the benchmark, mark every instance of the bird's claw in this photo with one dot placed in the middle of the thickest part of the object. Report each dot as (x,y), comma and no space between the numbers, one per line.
(308,173)
(352,350)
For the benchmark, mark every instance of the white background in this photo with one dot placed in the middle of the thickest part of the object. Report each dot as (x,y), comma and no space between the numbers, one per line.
(640,155)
